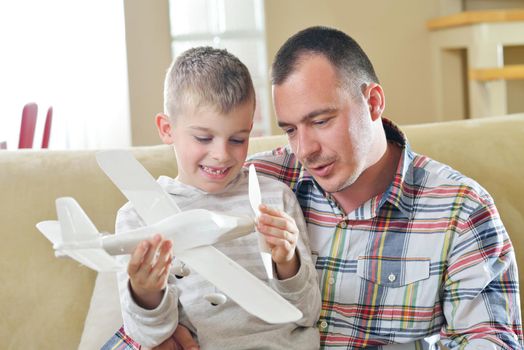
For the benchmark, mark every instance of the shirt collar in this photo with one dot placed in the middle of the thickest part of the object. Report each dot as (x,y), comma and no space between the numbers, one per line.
(396,193)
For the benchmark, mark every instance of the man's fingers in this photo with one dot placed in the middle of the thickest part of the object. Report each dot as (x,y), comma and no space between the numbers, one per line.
(184,339)
(168,344)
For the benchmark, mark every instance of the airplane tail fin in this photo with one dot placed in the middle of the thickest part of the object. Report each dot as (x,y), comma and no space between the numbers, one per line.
(74,235)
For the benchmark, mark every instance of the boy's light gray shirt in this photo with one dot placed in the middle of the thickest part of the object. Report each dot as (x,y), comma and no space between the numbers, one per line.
(226,326)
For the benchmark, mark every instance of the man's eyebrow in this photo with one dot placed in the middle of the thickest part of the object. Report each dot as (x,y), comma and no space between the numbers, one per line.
(310,116)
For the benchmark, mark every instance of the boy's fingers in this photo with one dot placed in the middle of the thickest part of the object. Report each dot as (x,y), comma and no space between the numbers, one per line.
(163,259)
(275,212)
(268,210)
(277,242)
(277,222)
(151,253)
(137,258)
(270,231)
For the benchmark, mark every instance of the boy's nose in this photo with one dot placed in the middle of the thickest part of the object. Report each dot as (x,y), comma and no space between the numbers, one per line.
(220,153)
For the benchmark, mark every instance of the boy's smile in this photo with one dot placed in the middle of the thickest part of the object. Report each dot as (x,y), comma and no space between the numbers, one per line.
(210,147)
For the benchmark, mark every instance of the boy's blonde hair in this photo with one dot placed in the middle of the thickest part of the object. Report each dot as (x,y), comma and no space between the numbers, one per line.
(206,76)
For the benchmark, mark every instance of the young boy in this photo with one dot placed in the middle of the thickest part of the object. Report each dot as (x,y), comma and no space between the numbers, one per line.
(209,105)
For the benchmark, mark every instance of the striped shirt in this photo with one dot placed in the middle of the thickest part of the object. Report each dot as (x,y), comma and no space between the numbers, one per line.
(427,262)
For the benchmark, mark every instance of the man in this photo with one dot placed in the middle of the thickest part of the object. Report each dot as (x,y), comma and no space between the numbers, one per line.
(411,253)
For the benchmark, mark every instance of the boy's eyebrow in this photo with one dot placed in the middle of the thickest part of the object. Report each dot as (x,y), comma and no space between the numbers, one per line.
(310,116)
(201,128)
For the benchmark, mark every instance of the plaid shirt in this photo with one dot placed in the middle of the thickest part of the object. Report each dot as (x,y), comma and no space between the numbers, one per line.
(428,260)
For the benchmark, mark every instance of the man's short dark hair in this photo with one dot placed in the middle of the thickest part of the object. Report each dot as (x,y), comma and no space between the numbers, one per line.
(344,53)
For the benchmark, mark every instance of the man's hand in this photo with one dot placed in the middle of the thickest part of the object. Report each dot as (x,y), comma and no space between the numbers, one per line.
(148,270)
(180,340)
(281,234)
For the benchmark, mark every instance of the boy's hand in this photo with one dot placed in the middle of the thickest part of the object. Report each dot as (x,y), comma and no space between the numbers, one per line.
(281,234)
(148,270)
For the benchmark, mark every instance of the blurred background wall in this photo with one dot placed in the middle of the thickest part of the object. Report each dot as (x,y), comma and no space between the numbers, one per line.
(393,33)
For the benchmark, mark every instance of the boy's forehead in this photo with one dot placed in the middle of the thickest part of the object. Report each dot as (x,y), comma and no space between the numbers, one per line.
(199,115)
(197,109)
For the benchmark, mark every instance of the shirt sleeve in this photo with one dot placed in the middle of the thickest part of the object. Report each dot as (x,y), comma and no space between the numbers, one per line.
(147,327)
(302,289)
(481,298)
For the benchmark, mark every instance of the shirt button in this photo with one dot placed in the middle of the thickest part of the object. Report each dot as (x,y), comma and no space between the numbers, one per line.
(323,324)
(343,224)
(331,280)
(392,277)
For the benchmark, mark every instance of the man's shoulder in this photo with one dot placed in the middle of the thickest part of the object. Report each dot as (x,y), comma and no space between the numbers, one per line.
(430,175)
(268,181)
(279,163)
(280,155)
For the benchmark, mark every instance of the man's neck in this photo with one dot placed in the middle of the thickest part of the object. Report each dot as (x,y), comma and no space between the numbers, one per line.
(373,181)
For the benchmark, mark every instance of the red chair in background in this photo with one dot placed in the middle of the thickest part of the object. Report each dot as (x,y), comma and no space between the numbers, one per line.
(47,128)
(27,127)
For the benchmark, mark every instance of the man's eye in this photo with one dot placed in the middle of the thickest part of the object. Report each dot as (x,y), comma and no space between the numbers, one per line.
(319,122)
(289,131)
(202,139)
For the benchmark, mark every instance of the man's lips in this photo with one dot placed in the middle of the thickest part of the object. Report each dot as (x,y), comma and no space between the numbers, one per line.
(321,170)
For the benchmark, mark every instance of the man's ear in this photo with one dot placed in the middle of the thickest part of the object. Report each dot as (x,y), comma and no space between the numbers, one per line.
(375,99)
(165,129)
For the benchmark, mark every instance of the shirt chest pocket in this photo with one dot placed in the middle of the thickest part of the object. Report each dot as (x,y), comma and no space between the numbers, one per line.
(393,272)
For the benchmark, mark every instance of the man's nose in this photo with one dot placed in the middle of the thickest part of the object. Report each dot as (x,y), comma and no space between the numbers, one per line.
(306,144)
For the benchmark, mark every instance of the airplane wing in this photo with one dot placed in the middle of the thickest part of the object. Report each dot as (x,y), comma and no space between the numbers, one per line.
(241,286)
(148,198)
(153,204)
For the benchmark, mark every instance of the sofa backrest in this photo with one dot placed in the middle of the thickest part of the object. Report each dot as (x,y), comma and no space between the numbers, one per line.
(44,300)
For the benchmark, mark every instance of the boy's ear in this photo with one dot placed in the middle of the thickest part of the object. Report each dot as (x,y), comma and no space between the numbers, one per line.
(165,129)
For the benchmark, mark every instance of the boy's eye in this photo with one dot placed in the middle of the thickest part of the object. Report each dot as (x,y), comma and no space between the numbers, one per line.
(237,141)
(203,139)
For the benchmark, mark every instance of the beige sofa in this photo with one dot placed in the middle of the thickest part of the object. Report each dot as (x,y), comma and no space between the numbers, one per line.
(44,300)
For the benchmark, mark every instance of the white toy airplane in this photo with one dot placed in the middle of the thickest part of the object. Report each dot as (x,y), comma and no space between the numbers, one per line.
(193,232)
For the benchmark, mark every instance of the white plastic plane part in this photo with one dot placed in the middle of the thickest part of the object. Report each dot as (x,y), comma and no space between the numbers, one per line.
(75,235)
(137,184)
(255,199)
(245,289)
(83,242)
